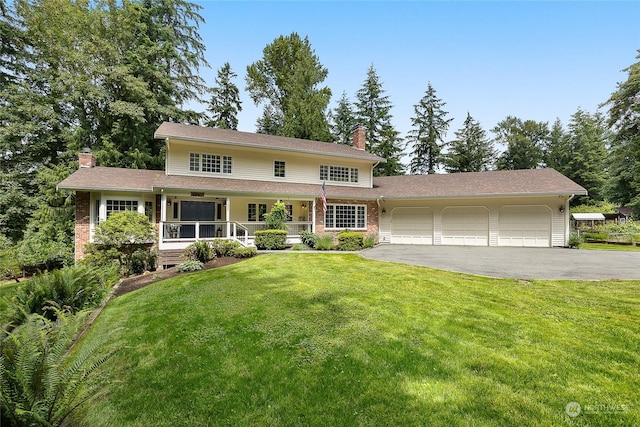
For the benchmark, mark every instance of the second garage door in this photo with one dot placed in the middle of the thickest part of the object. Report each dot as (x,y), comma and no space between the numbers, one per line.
(412,226)
(467,226)
(528,226)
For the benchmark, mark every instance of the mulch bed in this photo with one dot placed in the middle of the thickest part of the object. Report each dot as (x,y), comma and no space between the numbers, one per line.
(133,283)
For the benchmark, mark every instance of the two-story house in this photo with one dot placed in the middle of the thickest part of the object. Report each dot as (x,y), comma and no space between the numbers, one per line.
(219,183)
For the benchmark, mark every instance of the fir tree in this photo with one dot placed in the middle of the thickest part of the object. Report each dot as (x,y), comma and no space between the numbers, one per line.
(523,142)
(430,126)
(343,121)
(225,100)
(471,151)
(373,112)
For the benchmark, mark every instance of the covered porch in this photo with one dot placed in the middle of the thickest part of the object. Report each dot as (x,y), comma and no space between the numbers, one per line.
(187,218)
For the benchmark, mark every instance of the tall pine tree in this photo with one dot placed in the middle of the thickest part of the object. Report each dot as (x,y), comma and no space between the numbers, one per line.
(225,100)
(343,121)
(430,126)
(373,112)
(624,160)
(471,151)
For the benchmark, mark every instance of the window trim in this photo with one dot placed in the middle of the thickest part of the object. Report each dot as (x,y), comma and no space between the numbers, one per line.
(331,207)
(339,174)
(282,169)
(219,164)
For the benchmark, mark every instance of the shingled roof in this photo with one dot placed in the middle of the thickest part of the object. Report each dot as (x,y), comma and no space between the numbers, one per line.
(256,140)
(532,182)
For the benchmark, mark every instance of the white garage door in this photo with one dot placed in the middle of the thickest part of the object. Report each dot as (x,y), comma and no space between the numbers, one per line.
(528,226)
(465,226)
(412,226)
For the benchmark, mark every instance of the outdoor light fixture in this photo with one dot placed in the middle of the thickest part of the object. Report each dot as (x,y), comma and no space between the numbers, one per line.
(384,211)
(561,209)
(304,205)
(168,202)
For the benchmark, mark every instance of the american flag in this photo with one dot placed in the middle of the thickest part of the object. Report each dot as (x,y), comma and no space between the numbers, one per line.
(323,196)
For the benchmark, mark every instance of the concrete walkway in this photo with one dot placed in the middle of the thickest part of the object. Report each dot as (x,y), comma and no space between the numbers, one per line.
(516,263)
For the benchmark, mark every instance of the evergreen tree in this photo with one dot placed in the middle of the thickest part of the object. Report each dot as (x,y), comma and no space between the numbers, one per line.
(287,79)
(373,112)
(225,100)
(523,142)
(343,121)
(557,151)
(471,151)
(624,119)
(430,126)
(586,160)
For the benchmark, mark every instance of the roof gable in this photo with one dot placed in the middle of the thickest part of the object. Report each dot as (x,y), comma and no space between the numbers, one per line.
(168,130)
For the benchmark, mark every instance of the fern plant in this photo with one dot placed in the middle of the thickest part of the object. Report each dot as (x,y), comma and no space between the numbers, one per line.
(41,381)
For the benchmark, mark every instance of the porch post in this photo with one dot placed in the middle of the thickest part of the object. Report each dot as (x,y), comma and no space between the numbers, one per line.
(227,213)
(313,217)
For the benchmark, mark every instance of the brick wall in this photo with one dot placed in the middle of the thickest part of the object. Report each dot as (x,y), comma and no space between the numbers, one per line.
(83,212)
(372,213)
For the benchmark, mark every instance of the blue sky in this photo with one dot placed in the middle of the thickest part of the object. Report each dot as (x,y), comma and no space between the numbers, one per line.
(533,60)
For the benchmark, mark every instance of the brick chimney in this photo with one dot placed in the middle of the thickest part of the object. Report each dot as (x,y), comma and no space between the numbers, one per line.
(359,140)
(86,159)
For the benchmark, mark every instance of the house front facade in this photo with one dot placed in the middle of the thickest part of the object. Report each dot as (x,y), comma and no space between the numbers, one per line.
(219,184)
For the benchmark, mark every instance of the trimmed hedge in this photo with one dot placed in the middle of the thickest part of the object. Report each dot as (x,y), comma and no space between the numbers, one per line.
(350,241)
(270,239)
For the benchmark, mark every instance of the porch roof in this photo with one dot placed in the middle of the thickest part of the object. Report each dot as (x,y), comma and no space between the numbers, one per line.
(532,182)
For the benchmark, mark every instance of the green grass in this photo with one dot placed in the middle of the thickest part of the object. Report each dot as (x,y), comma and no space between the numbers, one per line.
(609,247)
(337,340)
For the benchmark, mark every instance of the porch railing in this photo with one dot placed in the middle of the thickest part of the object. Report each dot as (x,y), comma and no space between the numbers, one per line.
(293,227)
(190,231)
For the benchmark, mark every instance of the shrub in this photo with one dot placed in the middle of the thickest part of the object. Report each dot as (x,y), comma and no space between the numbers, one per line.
(120,236)
(42,381)
(369,240)
(71,289)
(270,239)
(190,265)
(244,252)
(350,241)
(574,240)
(143,260)
(224,247)
(200,251)
(324,242)
(308,238)
(9,266)
(277,218)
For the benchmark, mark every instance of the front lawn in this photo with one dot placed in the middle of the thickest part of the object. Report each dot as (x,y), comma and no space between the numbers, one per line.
(337,340)
(609,247)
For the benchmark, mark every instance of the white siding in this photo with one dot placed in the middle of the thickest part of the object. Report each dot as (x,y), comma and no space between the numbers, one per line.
(256,164)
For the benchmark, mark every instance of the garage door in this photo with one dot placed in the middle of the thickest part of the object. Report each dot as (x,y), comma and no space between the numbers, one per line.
(412,226)
(528,226)
(465,226)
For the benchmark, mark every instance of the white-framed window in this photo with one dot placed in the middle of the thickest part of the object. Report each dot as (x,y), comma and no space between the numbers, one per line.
(194,162)
(114,206)
(148,210)
(256,211)
(211,163)
(279,169)
(346,216)
(338,173)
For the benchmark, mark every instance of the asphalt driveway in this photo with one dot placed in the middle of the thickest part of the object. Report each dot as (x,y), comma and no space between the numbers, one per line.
(516,263)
